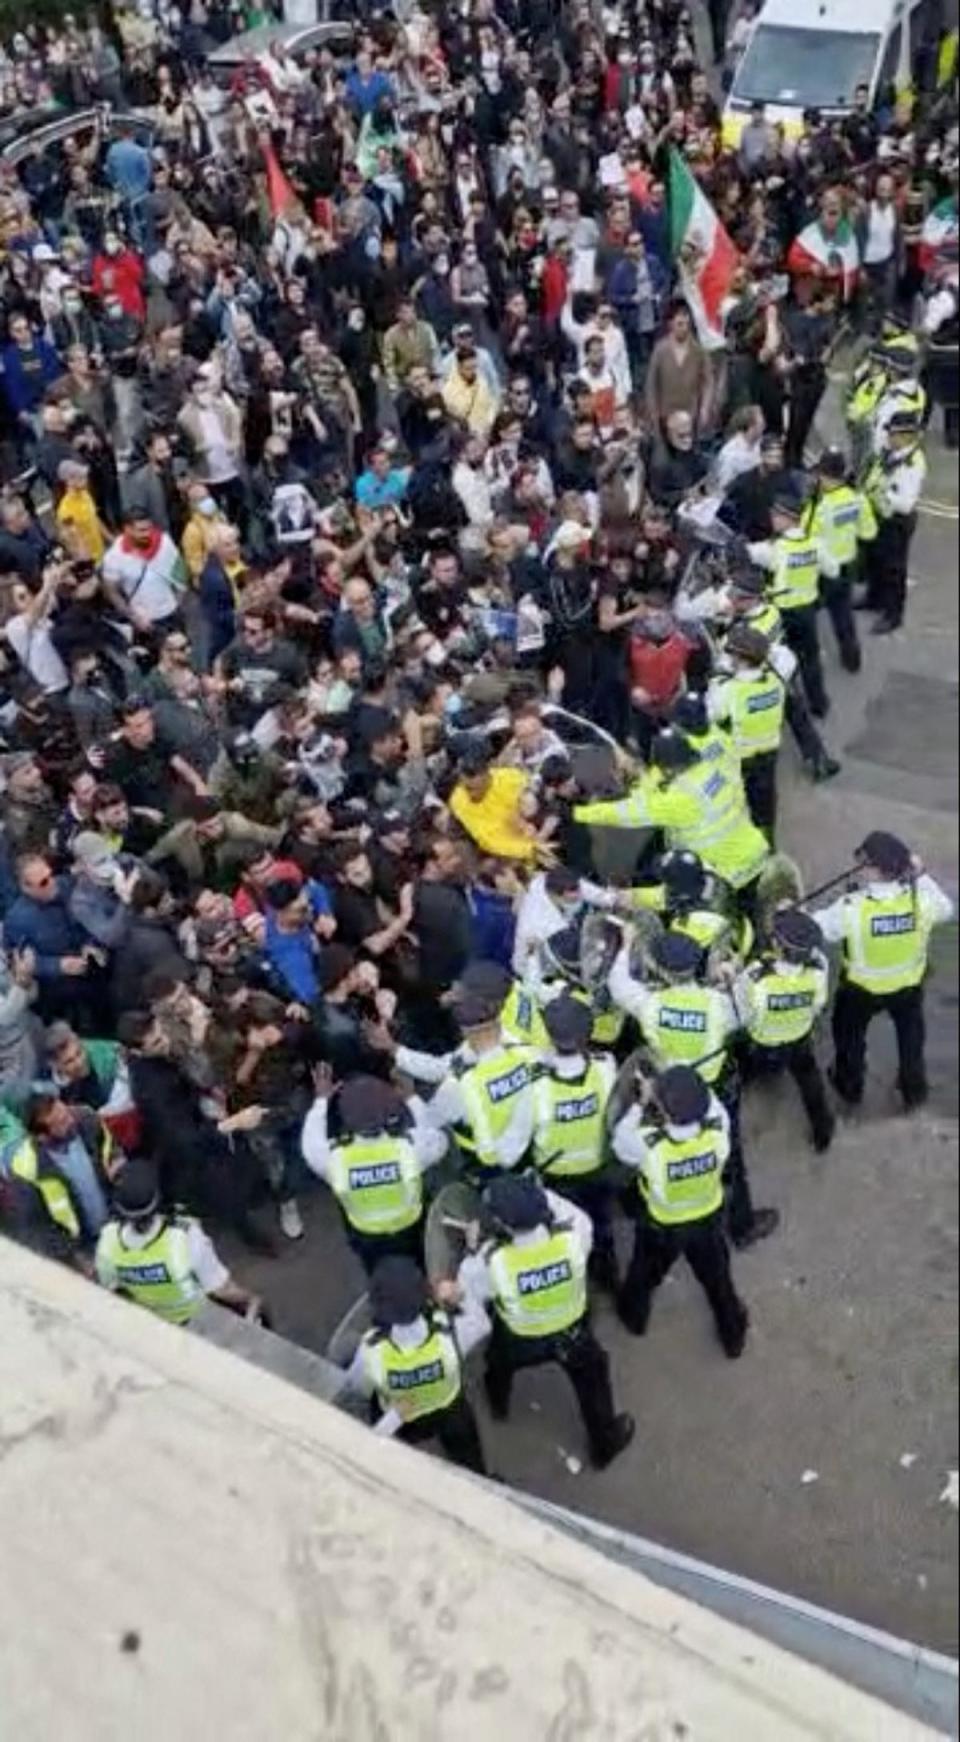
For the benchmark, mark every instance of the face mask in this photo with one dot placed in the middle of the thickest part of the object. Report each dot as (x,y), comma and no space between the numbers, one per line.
(72,304)
(441,266)
(112,247)
(115,313)
(355,319)
(207,505)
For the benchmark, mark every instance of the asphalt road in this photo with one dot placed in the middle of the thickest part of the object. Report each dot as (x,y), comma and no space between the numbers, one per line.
(815,1464)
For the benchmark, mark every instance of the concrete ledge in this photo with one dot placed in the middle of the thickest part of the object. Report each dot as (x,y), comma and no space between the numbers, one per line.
(188,1541)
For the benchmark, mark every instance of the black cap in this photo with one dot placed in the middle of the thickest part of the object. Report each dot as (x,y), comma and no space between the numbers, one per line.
(683,875)
(368,1105)
(904,423)
(398,1292)
(675,953)
(888,853)
(745,642)
(751,582)
(788,502)
(476,1010)
(518,1201)
(568,1023)
(671,750)
(833,464)
(796,933)
(563,949)
(483,979)
(136,1189)
(902,359)
(690,713)
(683,1095)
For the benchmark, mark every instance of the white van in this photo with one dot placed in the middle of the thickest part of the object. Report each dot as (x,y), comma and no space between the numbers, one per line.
(812,54)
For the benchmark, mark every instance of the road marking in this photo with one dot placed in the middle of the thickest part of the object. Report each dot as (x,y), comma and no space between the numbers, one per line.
(939,510)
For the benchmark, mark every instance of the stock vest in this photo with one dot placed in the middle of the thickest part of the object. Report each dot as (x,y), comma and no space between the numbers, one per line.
(783,1006)
(415,1382)
(683,1024)
(521,1019)
(715,749)
(491,1088)
(723,836)
(570,1128)
(55,1191)
(757,705)
(866,391)
(540,1287)
(885,941)
(159,1275)
(682,1178)
(377,1183)
(882,474)
(843,519)
(796,574)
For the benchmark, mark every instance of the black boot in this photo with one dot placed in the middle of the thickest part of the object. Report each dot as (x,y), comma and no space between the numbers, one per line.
(622,1431)
(765,1223)
(825,768)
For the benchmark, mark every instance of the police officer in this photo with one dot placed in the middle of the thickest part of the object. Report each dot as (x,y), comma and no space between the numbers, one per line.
(894,484)
(842,517)
(679,1147)
(163,1262)
(534,1274)
(709,738)
(487,1097)
(558,969)
(904,393)
(868,384)
(691,904)
(778,999)
(941,325)
(748,603)
(686,1023)
(569,1138)
(412,1363)
(884,930)
(797,559)
(375,1168)
(753,702)
(700,807)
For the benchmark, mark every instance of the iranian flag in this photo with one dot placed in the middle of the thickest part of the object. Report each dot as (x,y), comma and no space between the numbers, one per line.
(703,253)
(941,225)
(832,255)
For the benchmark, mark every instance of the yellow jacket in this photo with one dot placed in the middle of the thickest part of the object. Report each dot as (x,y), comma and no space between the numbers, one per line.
(494,821)
(471,402)
(77,508)
(198,541)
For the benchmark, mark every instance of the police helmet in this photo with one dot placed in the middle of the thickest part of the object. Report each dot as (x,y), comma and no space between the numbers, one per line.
(683,875)
(476,1010)
(568,1023)
(683,1095)
(676,955)
(369,1106)
(136,1189)
(398,1292)
(745,642)
(904,423)
(886,852)
(832,464)
(689,714)
(518,1202)
(901,359)
(796,934)
(484,979)
(788,503)
(562,952)
(670,750)
(749,582)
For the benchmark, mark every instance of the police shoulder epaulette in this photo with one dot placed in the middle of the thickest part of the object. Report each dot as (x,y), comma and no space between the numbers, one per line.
(460,1067)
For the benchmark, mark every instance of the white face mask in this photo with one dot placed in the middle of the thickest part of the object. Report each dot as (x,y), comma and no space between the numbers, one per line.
(206,505)
(355,319)
(113,246)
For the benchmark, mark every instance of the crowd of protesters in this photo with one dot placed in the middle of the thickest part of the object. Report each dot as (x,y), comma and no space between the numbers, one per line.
(348,405)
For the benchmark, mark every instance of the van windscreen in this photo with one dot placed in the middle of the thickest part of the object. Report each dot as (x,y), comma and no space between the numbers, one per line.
(805,69)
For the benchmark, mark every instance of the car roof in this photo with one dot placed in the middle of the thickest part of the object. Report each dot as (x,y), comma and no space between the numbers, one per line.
(65,123)
(860,17)
(295,37)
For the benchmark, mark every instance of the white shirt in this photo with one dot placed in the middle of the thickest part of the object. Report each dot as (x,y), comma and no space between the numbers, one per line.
(881,234)
(147,583)
(474,492)
(449,1108)
(832,920)
(539,917)
(764,554)
(941,307)
(470,1325)
(474,1273)
(737,456)
(33,646)
(429,1145)
(206,1266)
(614,351)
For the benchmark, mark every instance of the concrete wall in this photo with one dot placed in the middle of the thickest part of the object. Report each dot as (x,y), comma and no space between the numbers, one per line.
(188,1543)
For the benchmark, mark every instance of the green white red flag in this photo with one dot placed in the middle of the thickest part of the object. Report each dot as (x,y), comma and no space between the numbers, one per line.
(703,253)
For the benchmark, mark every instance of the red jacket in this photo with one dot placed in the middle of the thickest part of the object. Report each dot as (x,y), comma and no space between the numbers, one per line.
(121,275)
(658,668)
(554,287)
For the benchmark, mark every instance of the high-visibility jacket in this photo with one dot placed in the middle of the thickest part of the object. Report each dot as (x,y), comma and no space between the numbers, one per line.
(569,1134)
(415,1382)
(521,1019)
(159,1275)
(783,1007)
(540,1286)
(886,940)
(377,1183)
(882,477)
(842,519)
(701,809)
(681,1179)
(756,703)
(687,1025)
(31,1165)
(866,391)
(796,571)
(490,1090)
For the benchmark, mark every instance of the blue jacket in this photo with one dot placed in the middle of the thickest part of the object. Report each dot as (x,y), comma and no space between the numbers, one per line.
(28,374)
(218,607)
(295,955)
(48,928)
(129,168)
(364,94)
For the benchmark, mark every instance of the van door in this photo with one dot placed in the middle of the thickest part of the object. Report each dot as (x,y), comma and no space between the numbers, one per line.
(890,76)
